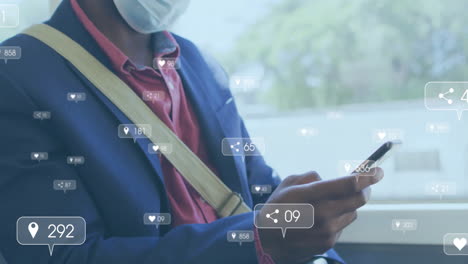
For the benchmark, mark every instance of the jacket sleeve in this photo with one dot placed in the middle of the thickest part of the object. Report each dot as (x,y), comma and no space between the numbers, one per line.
(258,171)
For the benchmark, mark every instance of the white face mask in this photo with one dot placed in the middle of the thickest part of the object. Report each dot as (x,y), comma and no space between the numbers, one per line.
(149,16)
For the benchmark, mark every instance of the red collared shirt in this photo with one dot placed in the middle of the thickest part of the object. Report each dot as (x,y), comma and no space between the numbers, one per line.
(173,108)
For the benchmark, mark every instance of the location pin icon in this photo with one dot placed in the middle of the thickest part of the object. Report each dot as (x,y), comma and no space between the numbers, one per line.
(233,234)
(347,167)
(125,130)
(33,227)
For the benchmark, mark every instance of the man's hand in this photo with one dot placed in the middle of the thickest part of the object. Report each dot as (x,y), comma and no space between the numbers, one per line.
(335,203)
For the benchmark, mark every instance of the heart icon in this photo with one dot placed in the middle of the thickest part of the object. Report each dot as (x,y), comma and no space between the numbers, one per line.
(238,81)
(397,224)
(36,155)
(152,218)
(155,148)
(162,63)
(382,135)
(460,243)
(257,188)
(72,96)
(233,235)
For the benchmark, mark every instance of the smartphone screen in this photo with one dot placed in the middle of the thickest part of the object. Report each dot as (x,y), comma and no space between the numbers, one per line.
(382,153)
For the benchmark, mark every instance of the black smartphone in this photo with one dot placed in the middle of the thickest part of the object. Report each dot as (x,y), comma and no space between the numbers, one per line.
(378,156)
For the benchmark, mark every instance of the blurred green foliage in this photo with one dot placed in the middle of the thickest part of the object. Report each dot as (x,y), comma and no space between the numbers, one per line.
(330,52)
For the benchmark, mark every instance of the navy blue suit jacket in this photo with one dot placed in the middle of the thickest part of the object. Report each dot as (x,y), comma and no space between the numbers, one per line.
(119,182)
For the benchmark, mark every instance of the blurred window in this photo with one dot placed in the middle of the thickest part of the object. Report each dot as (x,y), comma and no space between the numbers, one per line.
(327,81)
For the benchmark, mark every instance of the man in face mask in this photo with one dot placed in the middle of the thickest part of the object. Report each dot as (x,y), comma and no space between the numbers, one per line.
(122,186)
(151,16)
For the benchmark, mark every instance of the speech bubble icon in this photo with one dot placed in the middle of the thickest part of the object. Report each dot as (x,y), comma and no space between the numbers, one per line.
(240,236)
(64,185)
(153,96)
(404,225)
(166,63)
(441,188)
(134,131)
(456,244)
(76,97)
(157,219)
(243,146)
(38,156)
(245,83)
(437,128)
(50,231)
(75,160)
(9,15)
(446,96)
(308,131)
(10,53)
(160,148)
(261,189)
(284,216)
(383,135)
(42,115)
(357,167)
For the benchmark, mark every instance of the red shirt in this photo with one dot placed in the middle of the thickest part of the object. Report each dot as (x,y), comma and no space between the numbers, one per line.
(173,108)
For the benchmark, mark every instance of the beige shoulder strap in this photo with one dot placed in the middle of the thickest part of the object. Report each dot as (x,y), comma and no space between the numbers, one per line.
(208,185)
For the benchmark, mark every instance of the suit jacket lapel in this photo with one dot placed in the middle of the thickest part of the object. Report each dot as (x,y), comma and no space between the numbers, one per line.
(197,90)
(65,20)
